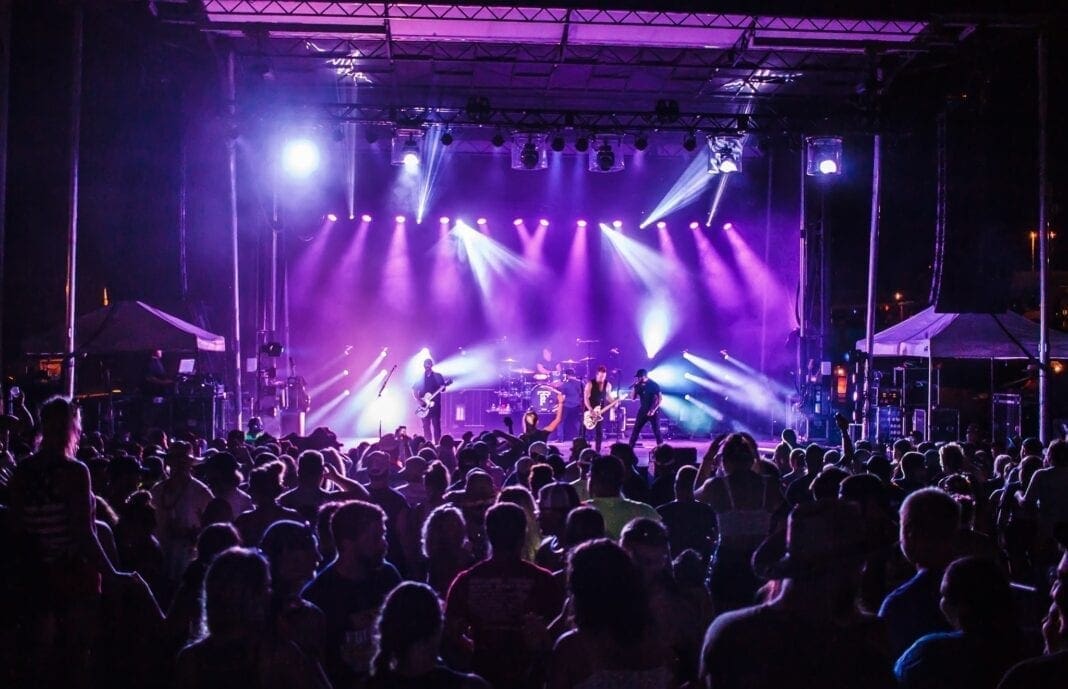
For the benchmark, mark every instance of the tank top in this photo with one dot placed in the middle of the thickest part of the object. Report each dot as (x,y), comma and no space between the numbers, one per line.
(597,393)
(744,528)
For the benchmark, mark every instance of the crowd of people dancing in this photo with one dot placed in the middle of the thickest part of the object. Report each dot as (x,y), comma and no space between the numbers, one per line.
(508,561)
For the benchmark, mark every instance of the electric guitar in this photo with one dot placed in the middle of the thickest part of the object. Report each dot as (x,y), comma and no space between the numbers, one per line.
(427,402)
(594,416)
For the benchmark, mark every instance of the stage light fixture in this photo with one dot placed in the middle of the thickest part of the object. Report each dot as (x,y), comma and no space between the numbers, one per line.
(407,148)
(724,154)
(581,223)
(543,222)
(365,217)
(300,157)
(582,144)
(661,225)
(444,220)
(332,217)
(400,219)
(604,158)
(529,152)
(446,138)
(558,143)
(480,221)
(823,156)
(497,140)
(695,225)
(727,227)
(641,142)
(689,142)
(517,222)
(618,224)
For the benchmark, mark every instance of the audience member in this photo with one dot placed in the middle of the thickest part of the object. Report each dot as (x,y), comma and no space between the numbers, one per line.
(605,485)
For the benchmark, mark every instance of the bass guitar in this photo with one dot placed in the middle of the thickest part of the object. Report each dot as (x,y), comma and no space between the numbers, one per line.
(594,416)
(429,400)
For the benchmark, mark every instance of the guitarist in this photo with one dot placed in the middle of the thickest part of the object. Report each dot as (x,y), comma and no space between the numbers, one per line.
(598,393)
(432,382)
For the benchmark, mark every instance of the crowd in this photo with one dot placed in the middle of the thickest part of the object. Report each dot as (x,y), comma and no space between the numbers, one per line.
(497,560)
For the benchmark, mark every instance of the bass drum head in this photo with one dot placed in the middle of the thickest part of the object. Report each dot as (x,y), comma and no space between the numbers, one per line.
(543,399)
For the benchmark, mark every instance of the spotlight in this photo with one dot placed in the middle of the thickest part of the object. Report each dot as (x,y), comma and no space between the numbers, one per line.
(823,156)
(724,154)
(517,222)
(529,152)
(332,217)
(444,220)
(727,227)
(543,222)
(695,225)
(480,221)
(407,148)
(618,224)
(641,142)
(604,159)
(365,218)
(558,143)
(581,223)
(661,225)
(497,140)
(300,157)
(582,144)
(446,139)
(689,142)
(400,219)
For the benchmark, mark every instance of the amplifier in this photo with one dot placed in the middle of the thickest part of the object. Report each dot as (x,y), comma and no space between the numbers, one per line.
(889,424)
(945,425)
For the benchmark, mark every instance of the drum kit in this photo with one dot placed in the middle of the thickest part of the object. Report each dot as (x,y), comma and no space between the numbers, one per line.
(523,389)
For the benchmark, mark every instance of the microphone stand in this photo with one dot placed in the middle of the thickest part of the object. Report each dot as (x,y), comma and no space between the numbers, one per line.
(378,399)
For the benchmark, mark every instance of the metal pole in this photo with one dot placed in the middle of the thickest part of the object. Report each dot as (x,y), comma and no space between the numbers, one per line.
(231,149)
(72,198)
(767,262)
(802,289)
(5,65)
(873,263)
(1043,247)
(273,312)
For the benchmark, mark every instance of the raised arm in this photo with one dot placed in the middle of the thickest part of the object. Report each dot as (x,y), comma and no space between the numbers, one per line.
(708,462)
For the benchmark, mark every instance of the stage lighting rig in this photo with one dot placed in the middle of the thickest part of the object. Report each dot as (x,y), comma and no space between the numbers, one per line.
(528,152)
(497,140)
(604,158)
(641,142)
(724,154)
(582,144)
(446,138)
(407,148)
(300,157)
(689,142)
(558,143)
(823,156)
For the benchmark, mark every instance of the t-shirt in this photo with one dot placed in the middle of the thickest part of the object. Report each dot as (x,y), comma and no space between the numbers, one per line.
(618,511)
(647,393)
(1049,488)
(350,607)
(765,647)
(955,661)
(1037,673)
(690,524)
(572,390)
(913,610)
(491,599)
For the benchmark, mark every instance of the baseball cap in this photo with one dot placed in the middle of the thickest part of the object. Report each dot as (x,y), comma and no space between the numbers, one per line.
(641,372)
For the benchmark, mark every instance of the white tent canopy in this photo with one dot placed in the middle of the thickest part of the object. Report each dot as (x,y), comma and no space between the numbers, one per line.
(965,336)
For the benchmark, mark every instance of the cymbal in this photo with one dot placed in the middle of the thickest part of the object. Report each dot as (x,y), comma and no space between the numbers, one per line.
(509,360)
(586,358)
(568,361)
(522,371)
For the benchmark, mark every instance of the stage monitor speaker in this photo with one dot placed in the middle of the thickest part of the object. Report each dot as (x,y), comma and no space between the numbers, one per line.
(685,455)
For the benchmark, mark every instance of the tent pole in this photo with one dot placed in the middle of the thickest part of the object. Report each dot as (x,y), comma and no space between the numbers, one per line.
(231,149)
(1043,248)
(930,394)
(72,196)
(873,262)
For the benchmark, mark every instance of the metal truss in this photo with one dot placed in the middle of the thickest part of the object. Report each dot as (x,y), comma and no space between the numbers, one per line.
(593,123)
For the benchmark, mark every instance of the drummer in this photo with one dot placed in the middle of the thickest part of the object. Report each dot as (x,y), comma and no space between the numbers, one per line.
(546,366)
